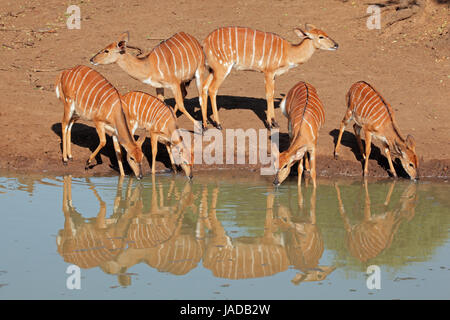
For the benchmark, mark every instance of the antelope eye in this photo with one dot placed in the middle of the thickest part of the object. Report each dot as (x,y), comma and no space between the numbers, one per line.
(106,51)
(132,159)
(321,37)
(411,165)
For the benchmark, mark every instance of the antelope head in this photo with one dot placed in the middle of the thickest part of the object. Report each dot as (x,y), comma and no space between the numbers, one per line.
(285,162)
(135,158)
(183,157)
(319,38)
(408,157)
(112,52)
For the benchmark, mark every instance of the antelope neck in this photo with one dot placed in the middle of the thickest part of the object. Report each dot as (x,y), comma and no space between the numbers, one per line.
(134,66)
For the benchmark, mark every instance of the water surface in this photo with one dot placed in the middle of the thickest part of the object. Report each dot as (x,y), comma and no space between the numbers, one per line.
(225,235)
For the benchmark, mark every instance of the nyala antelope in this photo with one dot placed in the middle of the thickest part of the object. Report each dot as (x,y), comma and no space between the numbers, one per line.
(306,116)
(87,95)
(158,119)
(172,64)
(376,117)
(248,49)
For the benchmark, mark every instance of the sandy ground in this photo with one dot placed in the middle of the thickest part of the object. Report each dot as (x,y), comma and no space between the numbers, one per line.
(407,62)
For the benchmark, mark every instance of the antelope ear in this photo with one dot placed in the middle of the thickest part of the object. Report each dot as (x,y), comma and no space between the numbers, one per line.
(124,37)
(309,27)
(397,147)
(300,33)
(140,141)
(122,43)
(410,142)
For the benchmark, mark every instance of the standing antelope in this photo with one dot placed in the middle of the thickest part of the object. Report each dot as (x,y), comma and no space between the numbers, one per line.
(373,114)
(158,119)
(171,64)
(86,94)
(306,116)
(248,49)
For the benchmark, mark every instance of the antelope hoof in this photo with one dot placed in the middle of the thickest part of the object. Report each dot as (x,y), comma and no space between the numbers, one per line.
(65,162)
(274,124)
(218,126)
(336,156)
(87,165)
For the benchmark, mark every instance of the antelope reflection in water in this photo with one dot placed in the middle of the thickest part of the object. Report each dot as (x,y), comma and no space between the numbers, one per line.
(299,244)
(130,236)
(375,233)
(164,239)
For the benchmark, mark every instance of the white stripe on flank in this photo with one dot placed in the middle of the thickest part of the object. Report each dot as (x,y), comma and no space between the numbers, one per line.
(174,60)
(312,131)
(223,45)
(237,44)
(360,101)
(139,105)
(181,56)
(167,119)
(164,57)
(81,84)
(194,56)
(84,92)
(146,120)
(281,52)
(74,74)
(230,46)
(368,102)
(382,113)
(159,69)
(144,107)
(187,59)
(97,91)
(264,49)
(245,46)
(253,54)
(217,48)
(132,103)
(111,108)
(150,118)
(104,100)
(270,51)
(276,51)
(373,105)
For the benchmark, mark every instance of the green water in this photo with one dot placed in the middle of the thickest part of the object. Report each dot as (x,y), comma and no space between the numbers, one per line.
(225,235)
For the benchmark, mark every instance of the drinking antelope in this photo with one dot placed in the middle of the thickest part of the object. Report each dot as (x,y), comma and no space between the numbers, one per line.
(86,94)
(158,119)
(171,64)
(306,116)
(373,114)
(248,49)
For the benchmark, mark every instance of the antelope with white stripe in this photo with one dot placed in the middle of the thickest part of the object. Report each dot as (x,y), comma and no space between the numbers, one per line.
(373,114)
(171,64)
(306,116)
(248,49)
(87,95)
(145,111)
